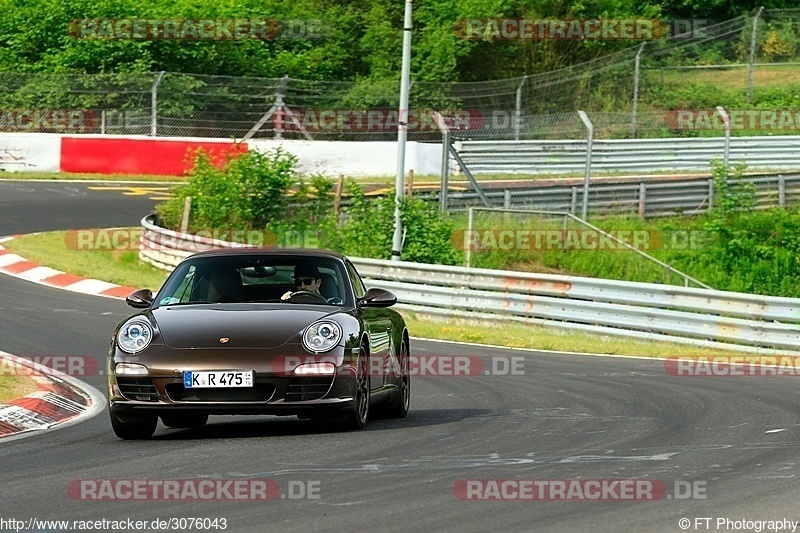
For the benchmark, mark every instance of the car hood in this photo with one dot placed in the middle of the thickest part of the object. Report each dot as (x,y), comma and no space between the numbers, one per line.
(243,325)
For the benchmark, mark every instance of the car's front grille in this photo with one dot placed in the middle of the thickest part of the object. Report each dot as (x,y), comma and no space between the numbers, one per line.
(305,389)
(141,389)
(260,392)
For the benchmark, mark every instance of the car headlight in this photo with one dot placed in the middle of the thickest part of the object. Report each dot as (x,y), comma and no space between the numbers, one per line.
(322,336)
(134,336)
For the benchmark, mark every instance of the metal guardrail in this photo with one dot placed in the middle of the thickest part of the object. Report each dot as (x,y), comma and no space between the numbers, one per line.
(655,312)
(627,155)
(713,318)
(650,197)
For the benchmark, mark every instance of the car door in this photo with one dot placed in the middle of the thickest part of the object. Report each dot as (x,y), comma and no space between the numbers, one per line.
(379,330)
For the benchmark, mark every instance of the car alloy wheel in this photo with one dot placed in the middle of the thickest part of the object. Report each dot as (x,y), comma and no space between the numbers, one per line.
(359,415)
(401,399)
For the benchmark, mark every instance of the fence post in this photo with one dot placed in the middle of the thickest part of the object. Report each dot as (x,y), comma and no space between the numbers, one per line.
(280,119)
(468,240)
(187,207)
(589,139)
(636,62)
(710,193)
(518,111)
(727,146)
(154,105)
(642,199)
(439,120)
(280,106)
(782,191)
(573,201)
(749,92)
(337,197)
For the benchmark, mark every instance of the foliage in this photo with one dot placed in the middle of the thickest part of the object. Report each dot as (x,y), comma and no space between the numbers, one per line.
(368,229)
(248,192)
(263,192)
(428,234)
(732,192)
(744,250)
(336,40)
(367,226)
(780,43)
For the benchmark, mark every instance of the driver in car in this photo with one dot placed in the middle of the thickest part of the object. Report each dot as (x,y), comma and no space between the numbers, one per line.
(306,278)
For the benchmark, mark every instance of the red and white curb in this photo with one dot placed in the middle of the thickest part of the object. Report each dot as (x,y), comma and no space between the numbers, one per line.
(19,267)
(60,400)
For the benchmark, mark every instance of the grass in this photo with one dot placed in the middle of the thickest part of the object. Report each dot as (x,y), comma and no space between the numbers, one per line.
(12,386)
(89,177)
(381,184)
(733,77)
(536,337)
(124,267)
(57,249)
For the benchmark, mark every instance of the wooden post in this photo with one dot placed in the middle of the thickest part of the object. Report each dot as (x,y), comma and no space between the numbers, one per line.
(642,200)
(337,199)
(410,183)
(187,206)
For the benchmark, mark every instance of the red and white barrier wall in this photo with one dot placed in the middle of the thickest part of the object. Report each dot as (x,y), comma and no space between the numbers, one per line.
(173,156)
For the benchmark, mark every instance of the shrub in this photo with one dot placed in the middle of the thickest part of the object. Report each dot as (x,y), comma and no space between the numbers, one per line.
(262,191)
(368,229)
(249,192)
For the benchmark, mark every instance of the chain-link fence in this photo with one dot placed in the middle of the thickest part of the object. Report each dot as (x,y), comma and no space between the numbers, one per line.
(626,92)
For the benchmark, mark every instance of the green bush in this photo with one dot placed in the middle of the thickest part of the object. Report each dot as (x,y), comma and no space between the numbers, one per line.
(263,191)
(368,228)
(248,192)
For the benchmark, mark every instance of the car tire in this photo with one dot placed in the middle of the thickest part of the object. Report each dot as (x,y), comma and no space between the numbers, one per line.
(134,427)
(397,406)
(358,416)
(178,421)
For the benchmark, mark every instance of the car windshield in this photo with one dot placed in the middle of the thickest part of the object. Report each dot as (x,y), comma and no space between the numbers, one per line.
(285,279)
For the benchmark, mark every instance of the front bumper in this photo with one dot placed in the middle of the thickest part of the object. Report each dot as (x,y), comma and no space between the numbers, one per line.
(163,389)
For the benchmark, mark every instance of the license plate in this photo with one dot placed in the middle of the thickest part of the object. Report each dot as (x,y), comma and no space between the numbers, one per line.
(217,379)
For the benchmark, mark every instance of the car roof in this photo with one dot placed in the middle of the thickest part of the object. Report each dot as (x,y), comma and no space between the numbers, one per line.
(308,252)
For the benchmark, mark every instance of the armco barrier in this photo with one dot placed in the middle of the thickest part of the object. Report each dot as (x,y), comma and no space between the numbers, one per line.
(712,318)
(647,197)
(627,155)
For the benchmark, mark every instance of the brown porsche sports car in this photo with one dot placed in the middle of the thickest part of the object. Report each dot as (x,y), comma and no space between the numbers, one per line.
(258,331)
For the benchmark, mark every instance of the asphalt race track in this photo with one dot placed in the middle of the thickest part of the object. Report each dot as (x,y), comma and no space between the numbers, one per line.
(563,418)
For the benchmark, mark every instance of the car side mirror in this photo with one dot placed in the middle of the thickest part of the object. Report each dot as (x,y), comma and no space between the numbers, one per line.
(140,299)
(376,297)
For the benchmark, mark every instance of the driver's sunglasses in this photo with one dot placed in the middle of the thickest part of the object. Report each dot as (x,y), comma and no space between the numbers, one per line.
(304,281)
